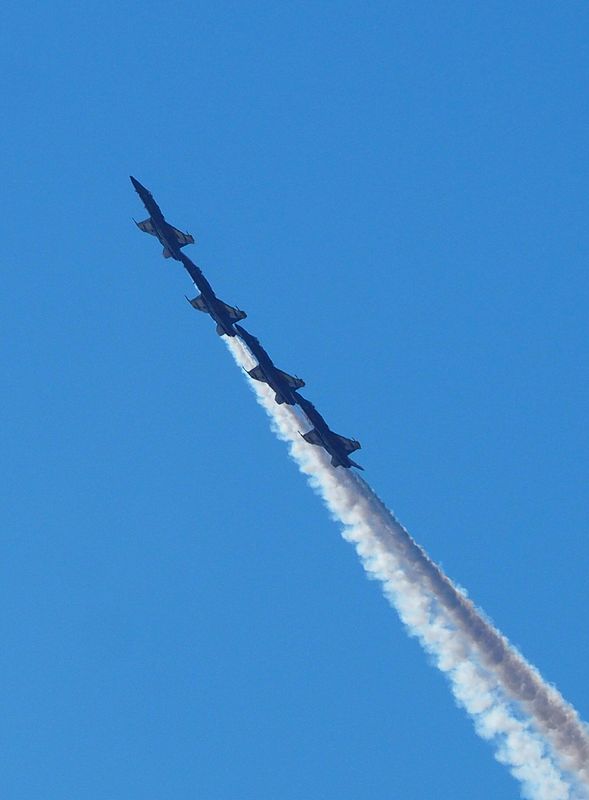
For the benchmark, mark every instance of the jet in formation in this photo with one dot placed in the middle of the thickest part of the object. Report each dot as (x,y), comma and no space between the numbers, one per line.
(223,314)
(170,238)
(283,384)
(338,447)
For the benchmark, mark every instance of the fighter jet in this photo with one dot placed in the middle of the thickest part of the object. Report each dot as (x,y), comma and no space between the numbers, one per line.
(224,315)
(338,447)
(280,382)
(171,238)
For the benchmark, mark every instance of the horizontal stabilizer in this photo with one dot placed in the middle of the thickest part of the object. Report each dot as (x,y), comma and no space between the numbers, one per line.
(312,437)
(348,445)
(347,464)
(146,226)
(234,314)
(257,374)
(198,303)
(290,380)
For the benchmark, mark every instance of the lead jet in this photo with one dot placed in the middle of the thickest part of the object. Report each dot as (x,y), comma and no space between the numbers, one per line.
(171,238)
(224,315)
(338,447)
(280,382)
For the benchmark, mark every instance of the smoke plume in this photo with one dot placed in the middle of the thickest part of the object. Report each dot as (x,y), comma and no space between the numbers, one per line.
(535,732)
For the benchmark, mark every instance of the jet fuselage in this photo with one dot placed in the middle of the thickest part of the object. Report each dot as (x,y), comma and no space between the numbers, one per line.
(209,302)
(281,383)
(165,232)
(322,435)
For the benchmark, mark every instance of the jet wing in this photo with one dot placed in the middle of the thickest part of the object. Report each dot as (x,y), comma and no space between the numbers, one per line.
(294,383)
(232,313)
(257,374)
(348,445)
(182,238)
(198,303)
(312,437)
(146,226)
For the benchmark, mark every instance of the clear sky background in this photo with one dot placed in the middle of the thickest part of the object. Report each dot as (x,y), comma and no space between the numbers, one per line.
(397,194)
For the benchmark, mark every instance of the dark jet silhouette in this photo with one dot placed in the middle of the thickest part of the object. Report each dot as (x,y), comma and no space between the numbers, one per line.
(224,315)
(171,238)
(337,446)
(280,382)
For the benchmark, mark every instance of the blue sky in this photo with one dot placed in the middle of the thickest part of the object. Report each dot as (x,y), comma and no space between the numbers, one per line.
(397,195)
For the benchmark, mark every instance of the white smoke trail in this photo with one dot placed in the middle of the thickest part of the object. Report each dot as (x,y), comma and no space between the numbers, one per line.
(535,732)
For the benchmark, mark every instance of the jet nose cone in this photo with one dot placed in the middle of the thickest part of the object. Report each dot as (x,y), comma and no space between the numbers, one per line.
(135,182)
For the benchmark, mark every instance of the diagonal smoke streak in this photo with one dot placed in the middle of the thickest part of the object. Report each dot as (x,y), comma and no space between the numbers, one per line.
(486,673)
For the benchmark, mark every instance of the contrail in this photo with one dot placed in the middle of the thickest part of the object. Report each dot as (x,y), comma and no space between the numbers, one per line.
(536,733)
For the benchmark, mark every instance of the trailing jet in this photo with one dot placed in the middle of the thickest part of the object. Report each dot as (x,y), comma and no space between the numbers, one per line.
(224,315)
(171,238)
(280,382)
(337,446)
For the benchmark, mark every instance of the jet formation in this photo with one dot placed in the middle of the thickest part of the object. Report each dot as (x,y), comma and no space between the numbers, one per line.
(226,317)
